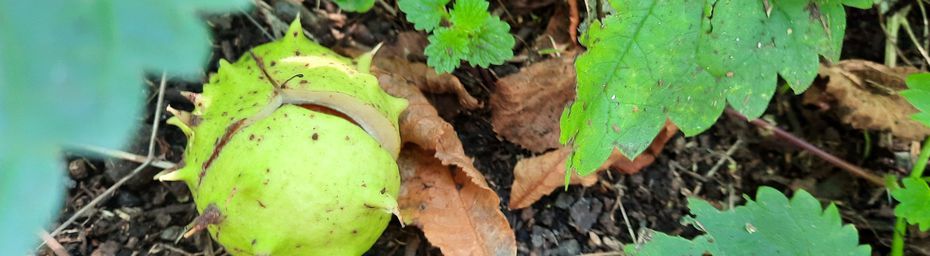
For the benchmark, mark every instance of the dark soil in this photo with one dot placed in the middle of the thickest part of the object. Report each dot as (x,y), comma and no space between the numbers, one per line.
(145,217)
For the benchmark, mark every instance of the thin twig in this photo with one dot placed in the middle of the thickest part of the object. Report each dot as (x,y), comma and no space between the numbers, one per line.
(801,143)
(730,151)
(910,34)
(891,40)
(387,7)
(148,159)
(926,28)
(259,26)
(604,254)
(53,244)
(629,227)
(713,170)
(126,156)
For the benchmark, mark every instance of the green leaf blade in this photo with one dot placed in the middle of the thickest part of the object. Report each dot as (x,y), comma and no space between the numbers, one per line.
(446,49)
(469,15)
(71,75)
(424,14)
(722,52)
(623,87)
(914,199)
(355,5)
(770,225)
(29,196)
(492,44)
(918,94)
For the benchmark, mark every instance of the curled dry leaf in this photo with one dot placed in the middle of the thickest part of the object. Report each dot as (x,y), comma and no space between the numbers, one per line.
(538,176)
(455,214)
(526,106)
(441,191)
(865,95)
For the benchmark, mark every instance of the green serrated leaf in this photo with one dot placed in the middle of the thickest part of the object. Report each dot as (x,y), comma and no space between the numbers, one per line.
(769,225)
(630,81)
(914,199)
(355,5)
(71,75)
(469,15)
(446,49)
(424,14)
(672,245)
(492,43)
(918,94)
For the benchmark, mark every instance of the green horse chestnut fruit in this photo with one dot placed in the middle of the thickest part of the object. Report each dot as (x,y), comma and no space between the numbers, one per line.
(292,151)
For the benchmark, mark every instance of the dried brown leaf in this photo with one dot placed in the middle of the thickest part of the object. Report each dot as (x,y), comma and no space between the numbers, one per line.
(526,106)
(864,95)
(455,214)
(444,194)
(538,176)
(395,59)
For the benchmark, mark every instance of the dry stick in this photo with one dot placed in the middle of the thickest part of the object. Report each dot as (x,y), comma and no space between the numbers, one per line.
(126,156)
(53,244)
(254,22)
(713,170)
(387,7)
(148,159)
(629,227)
(801,143)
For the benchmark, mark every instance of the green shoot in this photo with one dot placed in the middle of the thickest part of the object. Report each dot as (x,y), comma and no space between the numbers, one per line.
(467,32)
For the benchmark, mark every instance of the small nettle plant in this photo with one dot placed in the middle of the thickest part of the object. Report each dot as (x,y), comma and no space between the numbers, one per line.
(467,32)
(914,196)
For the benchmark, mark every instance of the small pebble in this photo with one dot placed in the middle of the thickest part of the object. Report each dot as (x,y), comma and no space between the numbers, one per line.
(77,169)
(163,219)
(563,201)
(570,247)
(129,199)
(171,233)
(107,249)
(584,213)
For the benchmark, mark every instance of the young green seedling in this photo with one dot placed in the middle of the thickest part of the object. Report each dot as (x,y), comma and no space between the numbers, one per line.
(468,32)
(291,151)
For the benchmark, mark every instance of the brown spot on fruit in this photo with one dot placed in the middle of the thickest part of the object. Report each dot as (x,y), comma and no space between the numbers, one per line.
(383,190)
(219,147)
(260,204)
(315,136)
(251,136)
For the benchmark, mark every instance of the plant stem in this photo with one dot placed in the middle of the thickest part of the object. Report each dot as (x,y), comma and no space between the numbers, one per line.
(900,227)
(801,143)
(922,160)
